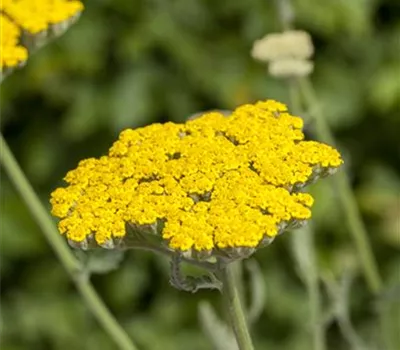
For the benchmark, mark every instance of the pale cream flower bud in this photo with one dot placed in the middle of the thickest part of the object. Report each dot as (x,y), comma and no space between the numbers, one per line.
(277,46)
(290,67)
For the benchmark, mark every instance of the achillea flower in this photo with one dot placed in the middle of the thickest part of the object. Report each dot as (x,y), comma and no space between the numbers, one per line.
(28,22)
(213,186)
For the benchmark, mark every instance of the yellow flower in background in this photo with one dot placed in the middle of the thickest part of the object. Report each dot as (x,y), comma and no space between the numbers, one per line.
(217,183)
(12,54)
(22,19)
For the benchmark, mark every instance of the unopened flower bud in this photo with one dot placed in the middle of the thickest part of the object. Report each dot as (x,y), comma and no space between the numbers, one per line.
(295,44)
(290,67)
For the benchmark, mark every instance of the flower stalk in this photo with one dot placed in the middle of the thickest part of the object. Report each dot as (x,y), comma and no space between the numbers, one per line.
(236,314)
(304,249)
(348,202)
(66,257)
(345,194)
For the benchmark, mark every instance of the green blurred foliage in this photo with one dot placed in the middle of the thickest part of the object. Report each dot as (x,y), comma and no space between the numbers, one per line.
(131,63)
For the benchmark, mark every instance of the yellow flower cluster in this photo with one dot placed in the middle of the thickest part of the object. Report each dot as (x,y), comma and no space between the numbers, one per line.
(32,17)
(215,182)
(12,54)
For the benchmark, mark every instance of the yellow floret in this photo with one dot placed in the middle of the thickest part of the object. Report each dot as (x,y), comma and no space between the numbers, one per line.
(32,17)
(12,54)
(35,16)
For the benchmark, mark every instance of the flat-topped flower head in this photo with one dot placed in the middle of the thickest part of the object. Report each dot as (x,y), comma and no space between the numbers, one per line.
(216,185)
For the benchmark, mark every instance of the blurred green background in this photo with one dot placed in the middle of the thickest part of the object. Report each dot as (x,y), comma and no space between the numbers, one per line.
(128,63)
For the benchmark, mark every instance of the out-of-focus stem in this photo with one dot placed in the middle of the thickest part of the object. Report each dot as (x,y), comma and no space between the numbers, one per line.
(67,259)
(314,294)
(303,242)
(345,193)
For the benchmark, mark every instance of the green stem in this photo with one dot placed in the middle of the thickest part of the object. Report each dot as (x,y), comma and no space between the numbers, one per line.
(345,194)
(68,260)
(389,318)
(237,268)
(236,315)
(304,246)
(294,96)
(314,296)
